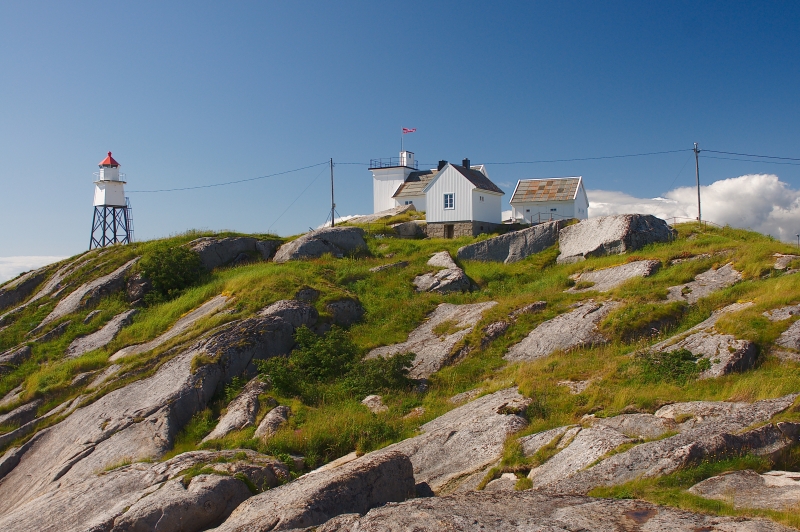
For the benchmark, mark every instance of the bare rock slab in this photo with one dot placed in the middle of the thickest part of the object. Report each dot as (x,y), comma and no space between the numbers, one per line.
(724,352)
(412,229)
(355,487)
(14,357)
(102,337)
(242,411)
(565,332)
(704,284)
(434,351)
(782,261)
(89,293)
(391,266)
(783,313)
(375,404)
(525,511)
(442,259)
(181,326)
(717,431)
(773,490)
(610,278)
(611,235)
(272,422)
(338,241)
(215,252)
(515,246)
(19,289)
(382,215)
(443,281)
(153,495)
(464,440)
(140,420)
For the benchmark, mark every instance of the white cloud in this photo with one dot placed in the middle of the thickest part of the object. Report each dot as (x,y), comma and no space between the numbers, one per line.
(10,267)
(760,202)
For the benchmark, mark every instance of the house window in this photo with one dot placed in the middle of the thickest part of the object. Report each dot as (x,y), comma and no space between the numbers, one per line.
(527,210)
(553,210)
(481,198)
(409,202)
(449,201)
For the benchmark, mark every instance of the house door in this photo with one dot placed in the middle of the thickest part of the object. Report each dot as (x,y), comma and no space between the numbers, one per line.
(448,231)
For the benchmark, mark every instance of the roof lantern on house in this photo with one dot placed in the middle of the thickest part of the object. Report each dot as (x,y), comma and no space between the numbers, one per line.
(553,198)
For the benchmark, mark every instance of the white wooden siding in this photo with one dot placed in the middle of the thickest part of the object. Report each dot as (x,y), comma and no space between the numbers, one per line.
(449,181)
(418,201)
(488,210)
(385,183)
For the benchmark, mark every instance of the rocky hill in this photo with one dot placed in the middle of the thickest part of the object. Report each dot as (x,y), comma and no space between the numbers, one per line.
(613,374)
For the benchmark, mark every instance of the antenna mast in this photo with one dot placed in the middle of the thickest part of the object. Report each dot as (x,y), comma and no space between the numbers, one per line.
(333,205)
(697,176)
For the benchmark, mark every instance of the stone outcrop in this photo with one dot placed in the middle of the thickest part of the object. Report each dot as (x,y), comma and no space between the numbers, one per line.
(610,278)
(375,404)
(434,351)
(102,337)
(704,284)
(575,387)
(450,279)
(241,412)
(714,429)
(21,288)
(782,261)
(215,252)
(150,496)
(773,490)
(345,312)
(14,357)
(207,500)
(515,246)
(138,286)
(524,511)
(140,420)
(22,414)
(585,448)
(724,352)
(611,235)
(533,443)
(463,397)
(783,313)
(393,265)
(89,293)
(272,422)
(355,487)
(53,333)
(338,241)
(412,229)
(564,332)
(464,440)
(182,325)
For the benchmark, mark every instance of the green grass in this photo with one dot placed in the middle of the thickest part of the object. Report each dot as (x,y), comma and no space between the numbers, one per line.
(335,423)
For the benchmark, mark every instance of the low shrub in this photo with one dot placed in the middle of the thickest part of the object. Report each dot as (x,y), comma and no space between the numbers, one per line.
(679,366)
(171,269)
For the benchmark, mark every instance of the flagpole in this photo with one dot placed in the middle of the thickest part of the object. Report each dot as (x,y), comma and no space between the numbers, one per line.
(401,139)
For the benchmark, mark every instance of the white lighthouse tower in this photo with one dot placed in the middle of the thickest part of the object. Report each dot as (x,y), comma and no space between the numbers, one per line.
(112,222)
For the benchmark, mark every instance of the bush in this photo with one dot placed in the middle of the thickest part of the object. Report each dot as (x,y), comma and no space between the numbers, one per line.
(171,270)
(329,364)
(678,366)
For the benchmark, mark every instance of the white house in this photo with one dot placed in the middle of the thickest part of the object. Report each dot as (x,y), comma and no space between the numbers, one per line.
(458,200)
(555,198)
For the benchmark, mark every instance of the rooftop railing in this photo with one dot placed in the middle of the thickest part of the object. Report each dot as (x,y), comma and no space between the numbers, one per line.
(390,162)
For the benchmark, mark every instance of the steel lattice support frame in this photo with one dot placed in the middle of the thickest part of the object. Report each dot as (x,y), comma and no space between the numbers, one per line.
(110,225)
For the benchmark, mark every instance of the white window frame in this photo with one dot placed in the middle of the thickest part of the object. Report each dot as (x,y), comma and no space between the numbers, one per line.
(452,197)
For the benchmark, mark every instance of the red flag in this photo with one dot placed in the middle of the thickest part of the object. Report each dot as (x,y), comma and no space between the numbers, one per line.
(407,130)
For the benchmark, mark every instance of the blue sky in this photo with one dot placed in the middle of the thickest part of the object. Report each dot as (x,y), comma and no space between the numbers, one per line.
(195,93)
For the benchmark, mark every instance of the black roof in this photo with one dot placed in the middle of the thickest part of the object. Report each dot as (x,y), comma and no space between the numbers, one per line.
(478,179)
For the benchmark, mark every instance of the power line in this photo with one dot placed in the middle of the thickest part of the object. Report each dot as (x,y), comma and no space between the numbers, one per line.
(747,160)
(231,182)
(751,155)
(298,196)
(595,158)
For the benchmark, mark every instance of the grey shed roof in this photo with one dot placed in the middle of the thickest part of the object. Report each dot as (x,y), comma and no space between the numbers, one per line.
(550,189)
(478,179)
(415,184)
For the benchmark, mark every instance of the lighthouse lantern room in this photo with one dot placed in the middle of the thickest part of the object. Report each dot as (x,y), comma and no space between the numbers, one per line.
(112,222)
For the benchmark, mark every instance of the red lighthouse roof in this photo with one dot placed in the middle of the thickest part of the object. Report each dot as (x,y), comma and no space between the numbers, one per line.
(109,161)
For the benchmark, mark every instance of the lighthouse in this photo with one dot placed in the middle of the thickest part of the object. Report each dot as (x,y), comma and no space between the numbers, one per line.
(112,222)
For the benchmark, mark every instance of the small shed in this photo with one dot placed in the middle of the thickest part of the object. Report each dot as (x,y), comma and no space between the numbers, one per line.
(553,198)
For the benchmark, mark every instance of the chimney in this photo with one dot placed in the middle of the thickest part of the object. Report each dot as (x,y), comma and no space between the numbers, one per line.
(465,163)
(442,164)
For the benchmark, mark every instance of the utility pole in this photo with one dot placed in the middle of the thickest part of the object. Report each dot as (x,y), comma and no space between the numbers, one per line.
(697,175)
(333,205)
